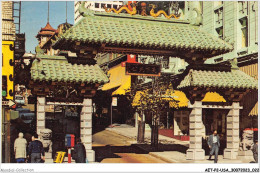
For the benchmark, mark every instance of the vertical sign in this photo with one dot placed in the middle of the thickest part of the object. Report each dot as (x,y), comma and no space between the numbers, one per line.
(114,101)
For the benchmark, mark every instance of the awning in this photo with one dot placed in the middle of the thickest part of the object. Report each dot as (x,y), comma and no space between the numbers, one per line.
(213,97)
(181,98)
(118,78)
(254,111)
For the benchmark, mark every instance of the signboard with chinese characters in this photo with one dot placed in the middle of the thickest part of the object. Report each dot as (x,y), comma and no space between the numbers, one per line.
(143,69)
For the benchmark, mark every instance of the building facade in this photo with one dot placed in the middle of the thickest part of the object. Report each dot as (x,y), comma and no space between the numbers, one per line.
(237,23)
(95,6)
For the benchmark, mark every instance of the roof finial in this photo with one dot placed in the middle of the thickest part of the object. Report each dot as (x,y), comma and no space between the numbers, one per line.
(66,11)
(233,63)
(48,12)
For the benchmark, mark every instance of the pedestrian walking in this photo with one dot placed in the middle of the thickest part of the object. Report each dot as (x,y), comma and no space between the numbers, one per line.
(255,151)
(214,144)
(36,150)
(79,152)
(20,148)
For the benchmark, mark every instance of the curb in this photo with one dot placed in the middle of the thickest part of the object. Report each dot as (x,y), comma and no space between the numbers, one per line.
(163,158)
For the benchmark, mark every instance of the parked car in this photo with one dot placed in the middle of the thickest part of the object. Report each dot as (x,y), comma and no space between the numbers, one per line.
(26,115)
(19,99)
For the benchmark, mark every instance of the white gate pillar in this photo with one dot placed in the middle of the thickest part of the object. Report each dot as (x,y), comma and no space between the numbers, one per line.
(40,121)
(195,151)
(86,128)
(231,151)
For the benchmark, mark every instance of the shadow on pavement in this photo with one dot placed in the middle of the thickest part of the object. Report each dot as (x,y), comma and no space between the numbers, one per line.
(162,147)
(109,151)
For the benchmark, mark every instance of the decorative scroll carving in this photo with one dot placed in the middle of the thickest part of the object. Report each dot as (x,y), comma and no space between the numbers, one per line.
(160,12)
(133,12)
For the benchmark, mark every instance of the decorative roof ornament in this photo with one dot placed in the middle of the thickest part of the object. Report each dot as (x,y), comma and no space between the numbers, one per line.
(133,12)
(198,20)
(143,8)
(233,63)
(161,12)
(85,11)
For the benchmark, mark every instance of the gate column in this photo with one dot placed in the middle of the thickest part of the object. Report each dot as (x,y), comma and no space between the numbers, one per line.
(195,151)
(86,128)
(40,122)
(231,151)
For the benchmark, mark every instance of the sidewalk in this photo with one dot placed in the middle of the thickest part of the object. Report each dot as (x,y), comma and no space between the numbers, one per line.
(131,132)
(178,157)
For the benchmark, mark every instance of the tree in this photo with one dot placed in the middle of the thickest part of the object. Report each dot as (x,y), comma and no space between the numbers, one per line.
(152,102)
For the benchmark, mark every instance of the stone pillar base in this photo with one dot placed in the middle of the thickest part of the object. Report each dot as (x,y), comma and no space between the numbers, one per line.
(195,154)
(230,153)
(90,156)
(48,157)
(248,155)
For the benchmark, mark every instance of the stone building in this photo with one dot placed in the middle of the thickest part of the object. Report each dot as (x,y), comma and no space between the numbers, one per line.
(8,26)
(237,23)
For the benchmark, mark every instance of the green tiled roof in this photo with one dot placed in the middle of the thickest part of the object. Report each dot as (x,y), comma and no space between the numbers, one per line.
(141,32)
(57,68)
(218,79)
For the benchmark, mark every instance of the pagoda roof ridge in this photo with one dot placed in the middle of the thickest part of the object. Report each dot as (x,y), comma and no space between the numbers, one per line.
(140,17)
(48,27)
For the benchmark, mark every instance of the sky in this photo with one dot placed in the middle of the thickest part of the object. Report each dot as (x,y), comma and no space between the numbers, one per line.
(34,17)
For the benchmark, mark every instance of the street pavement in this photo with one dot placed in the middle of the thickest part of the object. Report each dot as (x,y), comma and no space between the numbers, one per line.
(169,150)
(111,147)
(133,158)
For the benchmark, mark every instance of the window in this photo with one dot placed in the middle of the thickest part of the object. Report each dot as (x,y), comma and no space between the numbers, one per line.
(244,32)
(165,63)
(219,16)
(243,5)
(108,5)
(115,6)
(220,32)
(102,5)
(97,5)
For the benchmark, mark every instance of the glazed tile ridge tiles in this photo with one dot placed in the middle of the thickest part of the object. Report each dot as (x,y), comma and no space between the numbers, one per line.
(51,69)
(143,33)
(232,79)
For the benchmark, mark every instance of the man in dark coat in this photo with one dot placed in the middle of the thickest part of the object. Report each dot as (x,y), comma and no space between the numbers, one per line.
(214,144)
(36,150)
(255,151)
(79,152)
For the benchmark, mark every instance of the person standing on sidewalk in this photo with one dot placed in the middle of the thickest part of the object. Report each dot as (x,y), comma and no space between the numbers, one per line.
(214,144)
(79,152)
(255,151)
(20,148)
(36,150)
